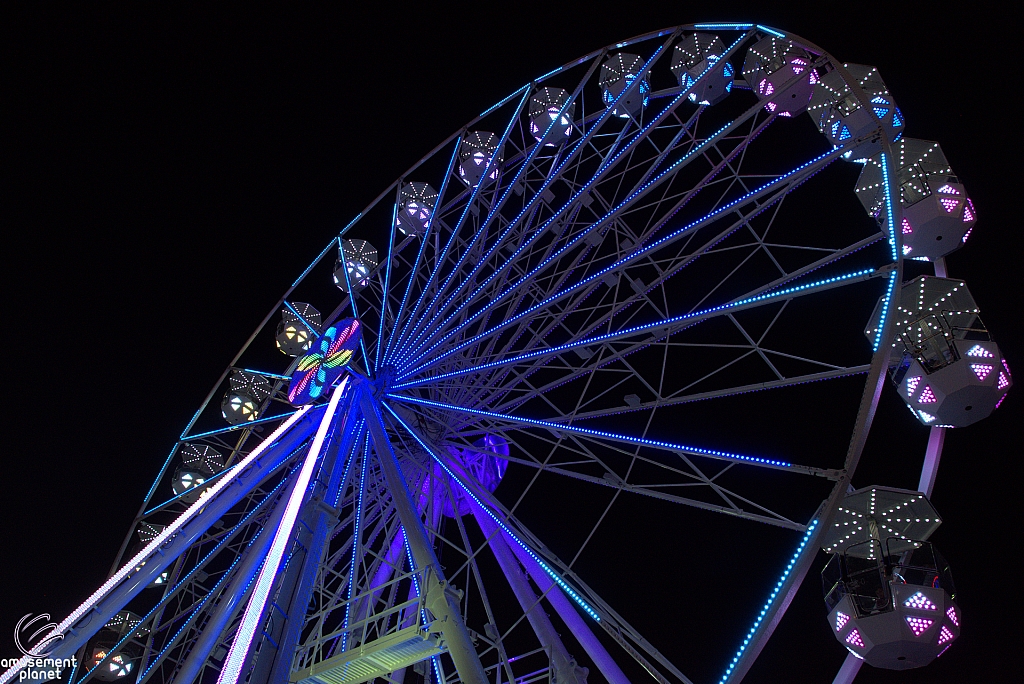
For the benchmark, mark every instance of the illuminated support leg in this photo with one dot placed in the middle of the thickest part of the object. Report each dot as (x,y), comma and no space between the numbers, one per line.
(231,600)
(239,658)
(562,664)
(580,630)
(300,578)
(439,599)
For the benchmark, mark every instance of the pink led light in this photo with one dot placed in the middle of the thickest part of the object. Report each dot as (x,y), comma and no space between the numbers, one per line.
(814,76)
(854,638)
(982,370)
(912,384)
(841,620)
(980,352)
(907,249)
(920,601)
(968,212)
(948,190)
(1000,402)
(919,625)
(927,396)
(951,614)
(1003,381)
(798,65)
(765,87)
(907,230)
(949,204)
(1007,367)
(967,234)
(945,635)
(770,106)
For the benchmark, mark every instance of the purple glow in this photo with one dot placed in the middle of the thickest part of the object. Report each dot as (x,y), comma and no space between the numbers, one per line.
(920,601)
(912,384)
(841,620)
(948,190)
(1003,380)
(907,249)
(854,638)
(907,230)
(951,614)
(945,635)
(980,352)
(1007,367)
(999,403)
(765,88)
(486,461)
(927,396)
(919,625)
(949,204)
(982,370)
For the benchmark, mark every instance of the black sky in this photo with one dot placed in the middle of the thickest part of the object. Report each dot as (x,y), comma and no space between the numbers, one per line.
(168,175)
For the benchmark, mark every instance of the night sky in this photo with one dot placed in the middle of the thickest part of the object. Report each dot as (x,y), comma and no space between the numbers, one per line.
(170,175)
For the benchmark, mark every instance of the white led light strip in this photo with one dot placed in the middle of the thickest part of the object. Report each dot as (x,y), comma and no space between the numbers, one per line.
(282,538)
(150,548)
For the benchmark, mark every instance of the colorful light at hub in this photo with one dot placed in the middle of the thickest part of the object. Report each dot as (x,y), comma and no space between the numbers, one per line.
(318,370)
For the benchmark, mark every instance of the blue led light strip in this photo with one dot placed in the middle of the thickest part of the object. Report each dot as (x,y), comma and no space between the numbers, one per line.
(416,586)
(540,231)
(493,107)
(738,27)
(494,209)
(891,222)
(317,260)
(355,542)
(551,177)
(423,244)
(829,156)
(890,217)
(772,32)
(247,424)
(771,600)
(629,332)
(547,568)
(265,374)
(191,573)
(713,453)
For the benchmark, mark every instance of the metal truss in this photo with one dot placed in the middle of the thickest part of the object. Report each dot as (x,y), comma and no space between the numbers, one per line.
(610,308)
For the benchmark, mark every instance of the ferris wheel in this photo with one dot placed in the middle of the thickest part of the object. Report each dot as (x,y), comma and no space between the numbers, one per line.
(661,285)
